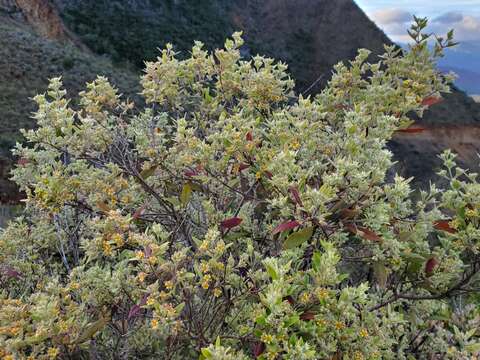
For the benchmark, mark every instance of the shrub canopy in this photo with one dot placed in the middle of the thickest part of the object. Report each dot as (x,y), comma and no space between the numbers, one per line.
(232,219)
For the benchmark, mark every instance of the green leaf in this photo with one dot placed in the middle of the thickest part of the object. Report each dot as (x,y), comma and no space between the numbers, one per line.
(206,353)
(415,263)
(145,174)
(261,320)
(207,96)
(474,348)
(90,331)
(298,238)
(179,307)
(186,194)
(381,274)
(292,320)
(316,260)
(173,200)
(271,271)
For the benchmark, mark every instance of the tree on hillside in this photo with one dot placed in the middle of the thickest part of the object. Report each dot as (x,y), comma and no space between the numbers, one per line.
(232,219)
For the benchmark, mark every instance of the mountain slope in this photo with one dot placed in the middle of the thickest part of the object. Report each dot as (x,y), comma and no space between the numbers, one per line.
(304,33)
(310,35)
(27,61)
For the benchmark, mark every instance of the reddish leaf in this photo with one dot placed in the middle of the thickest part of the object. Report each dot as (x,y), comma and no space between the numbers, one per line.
(307,316)
(193,172)
(351,228)
(230,223)
(137,308)
(258,349)
(268,174)
(190,173)
(139,212)
(430,265)
(249,136)
(147,252)
(295,194)
(289,299)
(348,213)
(431,100)
(341,107)
(444,226)
(22,161)
(412,130)
(243,166)
(285,226)
(363,232)
(11,273)
(369,234)
(134,311)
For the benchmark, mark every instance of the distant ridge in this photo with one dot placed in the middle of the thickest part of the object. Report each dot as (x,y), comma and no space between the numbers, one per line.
(309,35)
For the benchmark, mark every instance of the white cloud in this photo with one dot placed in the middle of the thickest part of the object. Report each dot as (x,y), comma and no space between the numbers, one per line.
(449,17)
(395,22)
(391,16)
(467,27)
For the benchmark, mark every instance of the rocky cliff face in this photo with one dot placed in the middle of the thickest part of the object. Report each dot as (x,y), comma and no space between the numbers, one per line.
(417,154)
(41,15)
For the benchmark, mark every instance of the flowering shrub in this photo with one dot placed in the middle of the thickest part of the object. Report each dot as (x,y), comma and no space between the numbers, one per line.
(231,219)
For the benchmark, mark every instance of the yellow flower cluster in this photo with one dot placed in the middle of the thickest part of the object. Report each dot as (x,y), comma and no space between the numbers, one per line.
(267,338)
(305,298)
(53,352)
(357,355)
(168,284)
(472,213)
(455,224)
(206,281)
(322,294)
(363,333)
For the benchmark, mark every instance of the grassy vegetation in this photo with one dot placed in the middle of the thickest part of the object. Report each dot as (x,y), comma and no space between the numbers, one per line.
(27,62)
(132,33)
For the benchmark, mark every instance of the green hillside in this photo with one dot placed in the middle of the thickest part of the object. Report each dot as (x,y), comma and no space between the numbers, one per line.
(27,62)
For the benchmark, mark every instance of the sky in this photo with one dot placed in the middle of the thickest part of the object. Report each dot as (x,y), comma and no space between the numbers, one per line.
(394,16)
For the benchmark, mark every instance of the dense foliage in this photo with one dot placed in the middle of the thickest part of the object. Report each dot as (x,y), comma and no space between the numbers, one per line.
(230,219)
(115,27)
